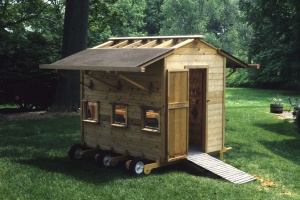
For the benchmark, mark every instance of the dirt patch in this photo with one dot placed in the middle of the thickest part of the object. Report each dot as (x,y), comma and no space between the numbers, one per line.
(33,115)
(285,115)
(265,183)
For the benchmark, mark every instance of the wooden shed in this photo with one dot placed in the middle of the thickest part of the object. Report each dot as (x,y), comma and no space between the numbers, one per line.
(151,100)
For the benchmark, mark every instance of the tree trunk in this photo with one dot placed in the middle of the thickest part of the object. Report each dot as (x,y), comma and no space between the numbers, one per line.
(67,97)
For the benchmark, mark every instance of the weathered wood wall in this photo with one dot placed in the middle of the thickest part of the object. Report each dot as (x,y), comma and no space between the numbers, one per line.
(120,139)
(199,53)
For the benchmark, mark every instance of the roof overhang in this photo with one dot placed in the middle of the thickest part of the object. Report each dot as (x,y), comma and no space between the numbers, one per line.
(233,62)
(115,59)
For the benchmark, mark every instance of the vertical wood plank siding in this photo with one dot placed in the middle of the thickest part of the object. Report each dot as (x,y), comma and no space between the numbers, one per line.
(198,53)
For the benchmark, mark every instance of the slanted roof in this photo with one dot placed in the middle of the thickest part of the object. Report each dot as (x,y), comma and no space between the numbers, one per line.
(133,60)
(132,54)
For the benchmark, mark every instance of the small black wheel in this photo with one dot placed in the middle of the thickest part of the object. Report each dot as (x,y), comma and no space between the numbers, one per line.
(104,158)
(136,166)
(76,151)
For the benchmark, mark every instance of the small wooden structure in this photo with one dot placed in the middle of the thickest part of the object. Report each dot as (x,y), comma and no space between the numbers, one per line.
(147,100)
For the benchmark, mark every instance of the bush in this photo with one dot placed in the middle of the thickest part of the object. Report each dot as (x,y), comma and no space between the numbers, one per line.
(22,83)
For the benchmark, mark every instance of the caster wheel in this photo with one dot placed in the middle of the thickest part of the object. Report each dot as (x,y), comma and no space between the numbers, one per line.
(76,151)
(104,158)
(136,166)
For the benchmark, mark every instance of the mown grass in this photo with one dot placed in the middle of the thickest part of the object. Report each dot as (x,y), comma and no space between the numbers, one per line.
(34,163)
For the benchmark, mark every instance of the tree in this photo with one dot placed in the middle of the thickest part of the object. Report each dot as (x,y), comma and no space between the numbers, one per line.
(131,17)
(181,17)
(218,21)
(275,43)
(153,16)
(22,48)
(74,40)
(102,14)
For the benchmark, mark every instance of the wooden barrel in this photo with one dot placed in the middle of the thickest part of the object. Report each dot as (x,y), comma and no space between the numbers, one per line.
(276,108)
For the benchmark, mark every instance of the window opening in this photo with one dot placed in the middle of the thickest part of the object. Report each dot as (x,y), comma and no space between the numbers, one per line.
(151,119)
(91,111)
(119,115)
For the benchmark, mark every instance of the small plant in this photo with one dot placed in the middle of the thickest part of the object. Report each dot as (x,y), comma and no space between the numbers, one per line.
(276,105)
(277,100)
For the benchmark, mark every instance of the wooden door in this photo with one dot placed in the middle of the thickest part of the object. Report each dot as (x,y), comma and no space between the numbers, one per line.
(178,114)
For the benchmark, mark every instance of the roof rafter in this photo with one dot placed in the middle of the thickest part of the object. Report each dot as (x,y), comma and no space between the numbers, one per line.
(135,44)
(149,44)
(165,44)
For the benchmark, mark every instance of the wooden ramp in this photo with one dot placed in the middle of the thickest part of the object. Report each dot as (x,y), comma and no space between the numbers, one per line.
(219,168)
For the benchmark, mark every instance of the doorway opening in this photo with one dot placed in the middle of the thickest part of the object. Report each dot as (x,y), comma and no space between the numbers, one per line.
(197,109)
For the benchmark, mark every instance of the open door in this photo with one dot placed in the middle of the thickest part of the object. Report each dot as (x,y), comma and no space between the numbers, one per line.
(178,114)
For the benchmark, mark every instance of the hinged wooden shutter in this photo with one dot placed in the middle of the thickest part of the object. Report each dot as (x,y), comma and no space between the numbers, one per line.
(178,108)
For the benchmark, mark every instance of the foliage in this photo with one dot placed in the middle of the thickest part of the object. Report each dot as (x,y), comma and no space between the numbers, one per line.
(277,100)
(219,21)
(265,32)
(25,44)
(132,15)
(101,15)
(34,163)
(153,16)
(275,43)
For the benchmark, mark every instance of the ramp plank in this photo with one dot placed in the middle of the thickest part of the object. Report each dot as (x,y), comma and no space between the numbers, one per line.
(219,168)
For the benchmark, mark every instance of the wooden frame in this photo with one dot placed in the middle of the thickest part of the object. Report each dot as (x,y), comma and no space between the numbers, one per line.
(91,111)
(119,111)
(151,113)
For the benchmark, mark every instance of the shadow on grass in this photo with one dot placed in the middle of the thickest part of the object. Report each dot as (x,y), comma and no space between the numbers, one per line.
(89,172)
(288,149)
(288,145)
(83,170)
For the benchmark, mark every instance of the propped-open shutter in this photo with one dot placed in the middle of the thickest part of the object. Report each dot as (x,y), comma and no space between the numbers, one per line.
(178,108)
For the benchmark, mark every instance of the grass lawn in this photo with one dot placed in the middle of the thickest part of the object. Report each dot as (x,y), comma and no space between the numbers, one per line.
(34,162)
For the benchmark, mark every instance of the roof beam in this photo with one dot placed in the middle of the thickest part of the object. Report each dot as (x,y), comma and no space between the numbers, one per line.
(106,44)
(135,44)
(149,44)
(121,44)
(165,44)
(160,37)
(182,43)
(102,81)
(134,83)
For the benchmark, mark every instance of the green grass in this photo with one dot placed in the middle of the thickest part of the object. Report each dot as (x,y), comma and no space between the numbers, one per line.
(34,163)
